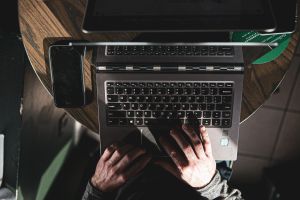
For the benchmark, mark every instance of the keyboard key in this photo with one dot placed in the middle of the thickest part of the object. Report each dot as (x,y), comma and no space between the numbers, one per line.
(204,91)
(114,106)
(116,114)
(112,98)
(213,91)
(144,91)
(228,84)
(148,99)
(150,122)
(202,106)
(110,90)
(136,90)
(226,99)
(226,114)
(174,98)
(123,121)
(140,98)
(216,122)
(220,84)
(207,114)
(194,106)
(161,91)
(153,91)
(165,99)
(119,90)
(168,107)
(181,85)
(217,99)
(152,106)
(187,91)
(156,98)
(110,84)
(143,106)
(223,107)
(190,114)
(200,99)
(170,91)
(139,113)
(130,113)
(185,106)
(131,121)
(126,106)
(127,91)
(204,85)
(147,113)
(212,84)
(206,122)
(123,98)
(191,99)
(210,106)
(208,99)
(131,98)
(198,114)
(225,91)
(196,91)
(180,114)
(216,114)
(176,106)
(182,99)
(139,121)
(226,122)
(134,106)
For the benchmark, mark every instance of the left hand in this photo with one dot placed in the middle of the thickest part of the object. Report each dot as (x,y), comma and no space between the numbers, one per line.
(194,162)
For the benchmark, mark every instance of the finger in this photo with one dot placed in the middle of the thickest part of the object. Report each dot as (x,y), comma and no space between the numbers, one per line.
(206,141)
(168,167)
(119,153)
(129,158)
(176,157)
(136,167)
(108,152)
(183,144)
(195,139)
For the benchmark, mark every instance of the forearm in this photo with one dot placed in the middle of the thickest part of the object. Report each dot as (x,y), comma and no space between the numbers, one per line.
(92,193)
(219,188)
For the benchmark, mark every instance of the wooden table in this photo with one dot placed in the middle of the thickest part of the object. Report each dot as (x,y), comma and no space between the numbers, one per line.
(45,21)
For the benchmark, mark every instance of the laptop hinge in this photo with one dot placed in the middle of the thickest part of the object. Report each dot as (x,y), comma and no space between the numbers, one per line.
(179,68)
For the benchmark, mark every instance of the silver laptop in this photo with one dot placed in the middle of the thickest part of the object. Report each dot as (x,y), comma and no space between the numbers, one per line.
(145,90)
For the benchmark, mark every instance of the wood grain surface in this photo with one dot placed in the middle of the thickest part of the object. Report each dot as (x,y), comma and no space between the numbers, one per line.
(43,22)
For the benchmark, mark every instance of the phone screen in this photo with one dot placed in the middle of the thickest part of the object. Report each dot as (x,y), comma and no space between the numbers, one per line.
(67,76)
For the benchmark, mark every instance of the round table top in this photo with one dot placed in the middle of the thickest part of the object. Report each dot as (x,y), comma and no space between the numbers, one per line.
(43,22)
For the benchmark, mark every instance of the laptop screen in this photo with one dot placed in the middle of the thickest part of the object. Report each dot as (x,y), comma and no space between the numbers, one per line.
(178,7)
(178,15)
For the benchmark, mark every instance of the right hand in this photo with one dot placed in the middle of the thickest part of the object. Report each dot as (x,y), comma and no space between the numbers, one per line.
(116,166)
(193,161)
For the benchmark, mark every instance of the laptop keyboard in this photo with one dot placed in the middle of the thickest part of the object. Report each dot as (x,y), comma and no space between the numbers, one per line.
(170,50)
(155,103)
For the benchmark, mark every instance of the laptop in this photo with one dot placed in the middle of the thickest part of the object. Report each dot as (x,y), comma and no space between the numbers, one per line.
(144,90)
(178,16)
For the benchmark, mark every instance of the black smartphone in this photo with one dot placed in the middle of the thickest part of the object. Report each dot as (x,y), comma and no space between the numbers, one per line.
(286,16)
(66,65)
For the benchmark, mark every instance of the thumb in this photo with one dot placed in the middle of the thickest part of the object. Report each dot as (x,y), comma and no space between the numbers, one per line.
(168,167)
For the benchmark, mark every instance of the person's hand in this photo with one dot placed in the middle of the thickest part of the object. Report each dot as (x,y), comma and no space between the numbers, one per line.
(193,162)
(117,165)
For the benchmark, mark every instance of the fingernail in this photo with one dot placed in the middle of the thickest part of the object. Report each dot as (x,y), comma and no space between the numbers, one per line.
(203,128)
(171,131)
